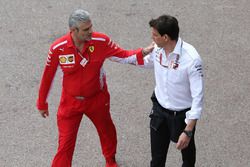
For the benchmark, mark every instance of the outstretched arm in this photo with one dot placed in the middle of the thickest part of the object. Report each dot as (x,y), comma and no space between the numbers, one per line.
(134,57)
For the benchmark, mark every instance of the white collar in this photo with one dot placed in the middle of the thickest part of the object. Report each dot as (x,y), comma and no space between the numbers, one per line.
(178,47)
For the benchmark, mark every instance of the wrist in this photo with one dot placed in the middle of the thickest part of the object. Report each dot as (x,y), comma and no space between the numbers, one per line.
(188,133)
(144,53)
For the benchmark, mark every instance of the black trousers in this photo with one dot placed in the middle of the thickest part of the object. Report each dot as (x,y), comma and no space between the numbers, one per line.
(166,126)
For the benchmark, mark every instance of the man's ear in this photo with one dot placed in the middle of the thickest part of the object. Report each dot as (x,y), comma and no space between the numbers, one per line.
(71,29)
(166,37)
(74,29)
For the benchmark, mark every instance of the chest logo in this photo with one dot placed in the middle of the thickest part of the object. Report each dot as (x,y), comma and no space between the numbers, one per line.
(91,49)
(67,59)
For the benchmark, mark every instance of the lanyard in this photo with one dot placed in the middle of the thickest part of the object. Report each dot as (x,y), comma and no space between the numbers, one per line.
(175,64)
(84,60)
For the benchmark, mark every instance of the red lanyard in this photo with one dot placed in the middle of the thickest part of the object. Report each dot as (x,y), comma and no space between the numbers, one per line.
(84,60)
(176,61)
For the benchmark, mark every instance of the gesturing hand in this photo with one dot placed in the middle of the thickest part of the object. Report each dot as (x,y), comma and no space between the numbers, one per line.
(148,49)
(44,113)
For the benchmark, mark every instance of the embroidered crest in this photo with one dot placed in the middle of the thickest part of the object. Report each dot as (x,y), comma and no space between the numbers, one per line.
(91,49)
(63,60)
(67,59)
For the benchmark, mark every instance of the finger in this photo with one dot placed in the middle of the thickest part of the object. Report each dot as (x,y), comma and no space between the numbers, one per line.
(42,114)
(184,146)
(178,145)
(181,145)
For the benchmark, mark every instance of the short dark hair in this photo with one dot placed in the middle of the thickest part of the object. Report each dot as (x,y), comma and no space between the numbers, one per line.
(166,24)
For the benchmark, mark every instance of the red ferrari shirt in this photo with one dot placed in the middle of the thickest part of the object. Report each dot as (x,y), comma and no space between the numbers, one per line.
(83,73)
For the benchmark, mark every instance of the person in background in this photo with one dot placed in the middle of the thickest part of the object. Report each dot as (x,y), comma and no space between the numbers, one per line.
(81,53)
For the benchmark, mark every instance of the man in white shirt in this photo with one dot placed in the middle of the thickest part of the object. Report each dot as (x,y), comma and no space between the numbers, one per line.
(178,94)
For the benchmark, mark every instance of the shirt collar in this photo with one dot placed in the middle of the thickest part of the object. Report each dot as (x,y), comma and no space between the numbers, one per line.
(178,47)
(70,42)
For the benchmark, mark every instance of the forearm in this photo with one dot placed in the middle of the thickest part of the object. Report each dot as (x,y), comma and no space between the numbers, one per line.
(45,85)
(191,124)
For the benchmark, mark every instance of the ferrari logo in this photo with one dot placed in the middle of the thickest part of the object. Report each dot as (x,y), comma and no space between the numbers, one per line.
(91,49)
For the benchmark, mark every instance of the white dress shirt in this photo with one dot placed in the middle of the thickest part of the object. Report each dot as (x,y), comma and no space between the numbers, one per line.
(179,78)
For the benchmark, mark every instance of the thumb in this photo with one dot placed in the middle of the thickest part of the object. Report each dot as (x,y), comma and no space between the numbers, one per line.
(46,113)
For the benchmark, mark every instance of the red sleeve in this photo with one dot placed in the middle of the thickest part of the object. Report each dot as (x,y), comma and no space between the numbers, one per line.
(112,49)
(139,57)
(47,78)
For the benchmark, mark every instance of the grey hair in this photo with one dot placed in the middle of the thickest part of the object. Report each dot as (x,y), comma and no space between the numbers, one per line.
(77,16)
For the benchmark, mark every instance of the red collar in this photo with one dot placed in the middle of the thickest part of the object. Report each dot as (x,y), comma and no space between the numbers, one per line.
(70,42)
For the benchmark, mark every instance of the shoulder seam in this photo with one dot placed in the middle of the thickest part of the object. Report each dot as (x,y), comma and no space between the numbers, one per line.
(98,39)
(59,44)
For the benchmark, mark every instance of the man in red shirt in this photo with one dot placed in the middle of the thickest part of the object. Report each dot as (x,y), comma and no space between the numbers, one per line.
(81,54)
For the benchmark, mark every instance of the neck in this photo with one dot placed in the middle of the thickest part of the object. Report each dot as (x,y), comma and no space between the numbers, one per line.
(169,47)
(78,43)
